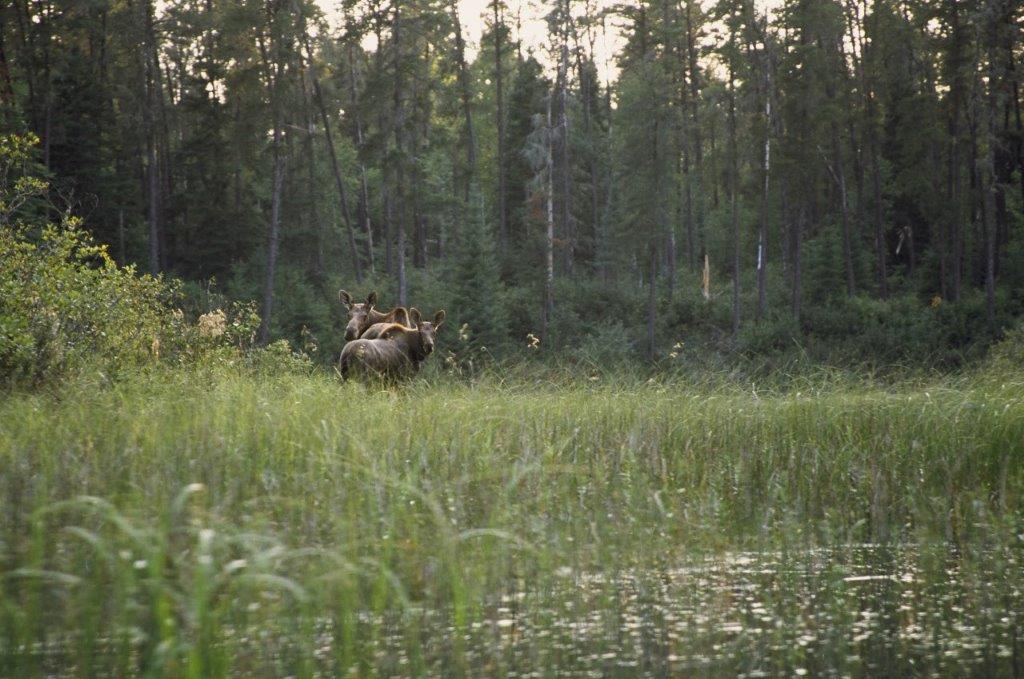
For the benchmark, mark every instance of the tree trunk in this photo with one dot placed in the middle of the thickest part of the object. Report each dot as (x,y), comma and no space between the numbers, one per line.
(339,184)
(955,243)
(696,185)
(733,204)
(396,32)
(364,192)
(565,172)
(149,118)
(797,263)
(876,183)
(839,174)
(467,101)
(549,240)
(1019,124)
(6,85)
(499,94)
(274,74)
(652,300)
(273,237)
(762,231)
(988,173)
(311,213)
(420,124)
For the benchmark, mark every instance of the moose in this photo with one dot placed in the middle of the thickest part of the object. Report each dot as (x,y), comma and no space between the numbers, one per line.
(363,315)
(389,346)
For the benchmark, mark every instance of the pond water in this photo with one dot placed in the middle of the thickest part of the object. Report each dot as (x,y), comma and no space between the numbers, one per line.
(856,610)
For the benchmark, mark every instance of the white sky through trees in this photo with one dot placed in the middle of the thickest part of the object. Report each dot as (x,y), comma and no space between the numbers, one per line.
(526,19)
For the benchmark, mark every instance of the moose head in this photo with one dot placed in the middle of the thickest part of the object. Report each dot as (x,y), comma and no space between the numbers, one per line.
(360,314)
(427,330)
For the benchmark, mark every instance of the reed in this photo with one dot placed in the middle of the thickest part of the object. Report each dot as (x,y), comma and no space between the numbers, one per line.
(192,523)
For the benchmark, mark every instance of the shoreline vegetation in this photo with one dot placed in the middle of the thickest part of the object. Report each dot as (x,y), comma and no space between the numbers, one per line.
(213,521)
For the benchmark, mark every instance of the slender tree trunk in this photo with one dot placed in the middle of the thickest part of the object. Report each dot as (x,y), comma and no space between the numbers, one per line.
(396,33)
(549,240)
(872,135)
(955,233)
(565,172)
(606,263)
(389,227)
(988,174)
(797,263)
(6,85)
(1020,130)
(149,124)
(839,174)
(273,237)
(696,186)
(652,298)
(274,74)
(499,94)
(311,213)
(419,122)
(45,30)
(364,192)
(332,155)
(733,202)
(876,184)
(122,257)
(682,153)
(466,95)
(163,140)
(589,90)
(762,231)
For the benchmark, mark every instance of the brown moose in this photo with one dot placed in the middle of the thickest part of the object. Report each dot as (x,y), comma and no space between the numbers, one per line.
(363,315)
(397,350)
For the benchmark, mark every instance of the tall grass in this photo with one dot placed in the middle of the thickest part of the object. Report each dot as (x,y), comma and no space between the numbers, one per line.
(191,523)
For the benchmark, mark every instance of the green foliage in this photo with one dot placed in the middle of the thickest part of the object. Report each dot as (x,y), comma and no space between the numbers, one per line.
(477,295)
(65,304)
(647,162)
(1006,357)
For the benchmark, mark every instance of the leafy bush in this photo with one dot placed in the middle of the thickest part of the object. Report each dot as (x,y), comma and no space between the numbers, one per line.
(1007,355)
(64,302)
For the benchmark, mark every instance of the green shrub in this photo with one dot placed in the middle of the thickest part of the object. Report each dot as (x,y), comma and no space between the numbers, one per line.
(64,302)
(1007,355)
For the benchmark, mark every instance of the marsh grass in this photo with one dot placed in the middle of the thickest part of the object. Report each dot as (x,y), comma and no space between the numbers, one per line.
(203,523)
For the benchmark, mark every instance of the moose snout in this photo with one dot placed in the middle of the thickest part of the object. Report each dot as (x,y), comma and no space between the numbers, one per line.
(351,333)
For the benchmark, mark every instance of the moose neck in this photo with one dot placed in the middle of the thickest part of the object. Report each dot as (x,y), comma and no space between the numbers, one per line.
(413,344)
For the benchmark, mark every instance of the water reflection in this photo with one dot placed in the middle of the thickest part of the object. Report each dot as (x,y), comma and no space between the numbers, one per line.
(850,611)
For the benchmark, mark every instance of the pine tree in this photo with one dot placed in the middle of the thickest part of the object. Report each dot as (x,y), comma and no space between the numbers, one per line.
(477,293)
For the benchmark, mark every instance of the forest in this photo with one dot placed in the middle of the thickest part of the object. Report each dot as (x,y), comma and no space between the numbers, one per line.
(840,181)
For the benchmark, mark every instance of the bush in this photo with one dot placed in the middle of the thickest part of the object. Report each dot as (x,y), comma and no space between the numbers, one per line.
(64,302)
(1007,355)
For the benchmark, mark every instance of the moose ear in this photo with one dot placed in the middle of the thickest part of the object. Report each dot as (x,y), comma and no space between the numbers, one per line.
(371,299)
(438,319)
(414,316)
(345,298)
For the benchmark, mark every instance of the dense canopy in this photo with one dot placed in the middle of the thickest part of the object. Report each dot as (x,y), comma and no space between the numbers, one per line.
(841,177)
